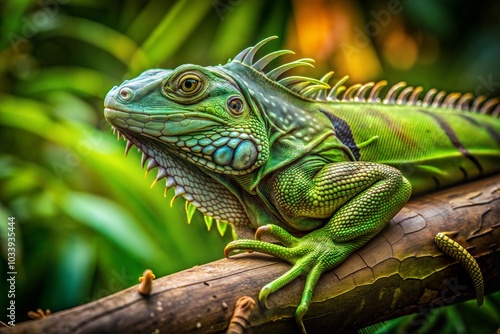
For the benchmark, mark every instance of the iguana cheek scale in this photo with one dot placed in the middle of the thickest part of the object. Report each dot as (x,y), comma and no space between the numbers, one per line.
(320,169)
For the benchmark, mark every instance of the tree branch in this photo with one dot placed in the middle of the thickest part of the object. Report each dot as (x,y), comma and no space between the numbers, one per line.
(401,271)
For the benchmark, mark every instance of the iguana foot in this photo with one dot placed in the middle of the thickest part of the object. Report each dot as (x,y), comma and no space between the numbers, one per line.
(310,255)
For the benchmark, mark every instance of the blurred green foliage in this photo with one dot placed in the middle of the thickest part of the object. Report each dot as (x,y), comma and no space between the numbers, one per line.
(87,222)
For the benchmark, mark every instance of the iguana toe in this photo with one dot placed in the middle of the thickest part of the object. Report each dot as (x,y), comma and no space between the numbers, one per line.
(279,233)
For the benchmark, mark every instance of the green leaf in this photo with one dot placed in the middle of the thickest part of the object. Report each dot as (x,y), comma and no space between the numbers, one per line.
(11,23)
(114,223)
(225,45)
(172,31)
(79,80)
(70,280)
(120,46)
(455,320)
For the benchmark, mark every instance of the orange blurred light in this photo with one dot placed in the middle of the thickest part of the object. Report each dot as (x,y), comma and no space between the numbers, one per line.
(399,49)
(333,34)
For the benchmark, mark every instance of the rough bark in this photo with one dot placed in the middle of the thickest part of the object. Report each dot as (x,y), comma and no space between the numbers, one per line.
(399,272)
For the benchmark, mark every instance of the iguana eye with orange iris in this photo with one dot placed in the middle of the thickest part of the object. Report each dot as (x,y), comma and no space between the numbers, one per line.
(190,84)
(235,105)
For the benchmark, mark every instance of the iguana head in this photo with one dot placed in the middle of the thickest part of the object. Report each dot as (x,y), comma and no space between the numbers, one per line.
(225,126)
(232,119)
(197,113)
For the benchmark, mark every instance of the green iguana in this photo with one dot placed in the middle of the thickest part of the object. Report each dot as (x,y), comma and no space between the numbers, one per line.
(320,169)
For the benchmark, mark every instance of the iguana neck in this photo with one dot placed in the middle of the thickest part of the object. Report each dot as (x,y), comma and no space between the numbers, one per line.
(295,126)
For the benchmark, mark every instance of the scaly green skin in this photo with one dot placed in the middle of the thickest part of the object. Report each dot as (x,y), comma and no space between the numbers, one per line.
(292,160)
(460,254)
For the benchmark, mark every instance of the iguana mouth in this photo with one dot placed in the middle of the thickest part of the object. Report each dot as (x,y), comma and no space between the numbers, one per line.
(173,123)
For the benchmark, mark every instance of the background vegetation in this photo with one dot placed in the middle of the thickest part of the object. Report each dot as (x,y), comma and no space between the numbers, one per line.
(87,222)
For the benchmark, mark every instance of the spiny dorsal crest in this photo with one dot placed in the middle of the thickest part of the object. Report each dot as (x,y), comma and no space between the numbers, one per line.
(319,89)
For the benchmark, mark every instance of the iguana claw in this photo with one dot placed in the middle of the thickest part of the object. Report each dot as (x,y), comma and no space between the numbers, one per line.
(264,292)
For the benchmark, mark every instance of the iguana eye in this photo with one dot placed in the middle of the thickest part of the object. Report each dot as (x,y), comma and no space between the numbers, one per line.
(190,84)
(126,94)
(235,105)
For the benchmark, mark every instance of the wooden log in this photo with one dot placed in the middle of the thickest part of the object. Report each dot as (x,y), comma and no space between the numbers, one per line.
(400,271)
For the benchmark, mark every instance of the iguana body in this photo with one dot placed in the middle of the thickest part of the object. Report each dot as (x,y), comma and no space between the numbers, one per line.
(319,169)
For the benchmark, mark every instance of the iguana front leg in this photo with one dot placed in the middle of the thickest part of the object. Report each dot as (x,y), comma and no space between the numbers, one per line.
(359,198)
